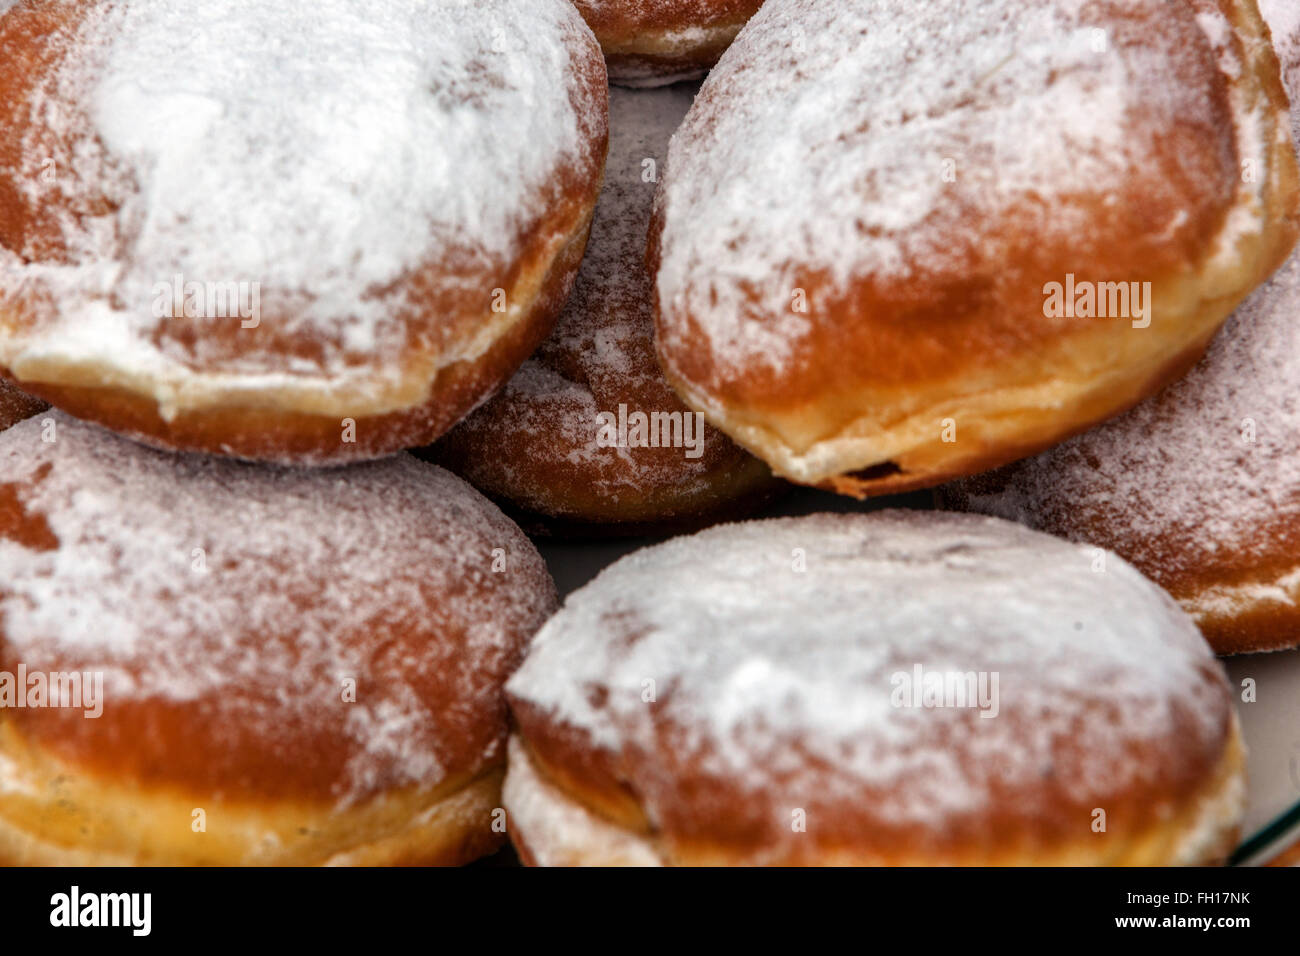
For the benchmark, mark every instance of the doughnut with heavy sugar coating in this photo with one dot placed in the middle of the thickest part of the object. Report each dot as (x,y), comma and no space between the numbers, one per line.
(327,245)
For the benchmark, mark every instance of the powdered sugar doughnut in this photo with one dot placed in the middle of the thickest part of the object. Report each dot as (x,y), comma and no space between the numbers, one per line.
(657,42)
(309,663)
(791,692)
(16,405)
(563,439)
(872,214)
(325,245)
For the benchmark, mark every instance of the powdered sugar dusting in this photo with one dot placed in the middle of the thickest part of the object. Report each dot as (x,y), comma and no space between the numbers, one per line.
(816,149)
(323,149)
(612,293)
(1208,469)
(1283,19)
(250,594)
(1207,473)
(645,9)
(775,679)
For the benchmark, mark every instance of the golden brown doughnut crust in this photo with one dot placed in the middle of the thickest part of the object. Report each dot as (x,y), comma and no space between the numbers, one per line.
(228,690)
(258,433)
(57,814)
(731,834)
(655,42)
(456,346)
(609,834)
(945,365)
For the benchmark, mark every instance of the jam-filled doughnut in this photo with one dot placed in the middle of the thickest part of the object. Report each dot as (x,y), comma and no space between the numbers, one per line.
(906,688)
(257,665)
(305,231)
(588,435)
(657,42)
(901,243)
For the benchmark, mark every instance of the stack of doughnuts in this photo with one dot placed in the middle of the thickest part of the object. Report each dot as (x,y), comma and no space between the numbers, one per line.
(271,250)
(597,440)
(253,254)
